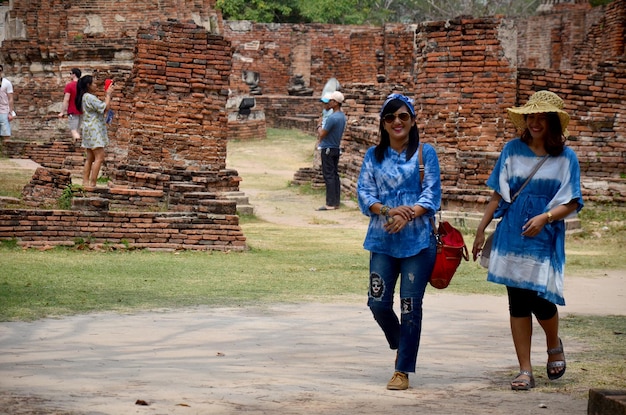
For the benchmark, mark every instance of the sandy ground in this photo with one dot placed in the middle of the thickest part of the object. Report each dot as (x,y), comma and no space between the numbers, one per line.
(312,358)
(289,359)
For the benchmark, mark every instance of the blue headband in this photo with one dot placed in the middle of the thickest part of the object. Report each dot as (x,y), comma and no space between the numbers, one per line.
(406,100)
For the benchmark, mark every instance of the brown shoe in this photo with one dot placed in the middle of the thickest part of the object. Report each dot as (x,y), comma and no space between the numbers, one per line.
(399,382)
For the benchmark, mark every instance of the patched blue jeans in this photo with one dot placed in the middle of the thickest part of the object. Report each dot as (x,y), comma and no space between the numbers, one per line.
(402,334)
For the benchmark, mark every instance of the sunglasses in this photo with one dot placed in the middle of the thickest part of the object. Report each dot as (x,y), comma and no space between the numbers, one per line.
(404,116)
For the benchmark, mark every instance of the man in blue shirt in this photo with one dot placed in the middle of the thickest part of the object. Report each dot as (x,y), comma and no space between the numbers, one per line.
(329,141)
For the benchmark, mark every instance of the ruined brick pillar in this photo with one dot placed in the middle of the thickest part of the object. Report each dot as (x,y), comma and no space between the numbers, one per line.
(173,122)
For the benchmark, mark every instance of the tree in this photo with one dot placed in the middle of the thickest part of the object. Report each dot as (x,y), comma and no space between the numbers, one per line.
(333,11)
(296,11)
(376,12)
(261,11)
(434,10)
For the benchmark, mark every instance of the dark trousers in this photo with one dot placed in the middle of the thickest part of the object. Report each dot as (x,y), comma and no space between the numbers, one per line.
(330,171)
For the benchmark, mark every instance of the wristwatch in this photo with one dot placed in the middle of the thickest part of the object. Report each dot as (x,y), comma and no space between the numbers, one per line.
(13,114)
(550,218)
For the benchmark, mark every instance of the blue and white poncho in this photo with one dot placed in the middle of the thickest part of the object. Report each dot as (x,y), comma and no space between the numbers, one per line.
(535,263)
(394,182)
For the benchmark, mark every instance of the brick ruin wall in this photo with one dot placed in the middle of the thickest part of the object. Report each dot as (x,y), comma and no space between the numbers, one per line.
(44,39)
(279,52)
(172,112)
(465,82)
(169,137)
(463,74)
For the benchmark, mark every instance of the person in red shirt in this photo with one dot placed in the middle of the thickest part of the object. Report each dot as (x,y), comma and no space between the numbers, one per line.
(69,108)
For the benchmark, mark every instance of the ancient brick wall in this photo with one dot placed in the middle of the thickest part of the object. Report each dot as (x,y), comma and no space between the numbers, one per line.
(399,50)
(465,78)
(46,38)
(278,52)
(351,54)
(604,39)
(572,36)
(367,57)
(463,74)
(172,112)
(170,131)
(163,231)
(463,81)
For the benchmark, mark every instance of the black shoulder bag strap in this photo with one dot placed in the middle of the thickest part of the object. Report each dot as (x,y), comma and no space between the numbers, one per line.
(543,160)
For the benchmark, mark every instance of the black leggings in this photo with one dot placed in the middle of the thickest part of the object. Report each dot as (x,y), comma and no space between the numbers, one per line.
(524,303)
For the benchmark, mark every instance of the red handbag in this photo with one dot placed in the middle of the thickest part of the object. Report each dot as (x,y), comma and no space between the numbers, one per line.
(451,249)
(450,245)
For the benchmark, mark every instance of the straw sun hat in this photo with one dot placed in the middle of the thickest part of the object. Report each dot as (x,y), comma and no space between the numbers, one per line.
(540,101)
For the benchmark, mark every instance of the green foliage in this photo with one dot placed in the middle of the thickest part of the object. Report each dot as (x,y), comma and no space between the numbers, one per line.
(596,3)
(408,11)
(70,191)
(82,244)
(9,243)
(12,182)
(262,11)
(333,11)
(375,12)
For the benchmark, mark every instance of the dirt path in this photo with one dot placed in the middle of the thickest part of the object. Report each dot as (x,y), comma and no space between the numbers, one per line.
(284,359)
(287,359)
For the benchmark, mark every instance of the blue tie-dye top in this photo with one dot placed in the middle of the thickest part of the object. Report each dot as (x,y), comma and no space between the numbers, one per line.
(535,263)
(395,182)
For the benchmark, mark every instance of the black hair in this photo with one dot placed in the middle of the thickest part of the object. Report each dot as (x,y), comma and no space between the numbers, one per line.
(554,143)
(81,88)
(414,138)
(76,72)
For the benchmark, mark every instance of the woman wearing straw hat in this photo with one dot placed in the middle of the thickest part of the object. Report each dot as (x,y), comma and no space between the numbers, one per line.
(528,252)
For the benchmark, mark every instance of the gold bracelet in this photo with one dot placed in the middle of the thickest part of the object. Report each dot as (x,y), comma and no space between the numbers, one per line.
(384,210)
(550,218)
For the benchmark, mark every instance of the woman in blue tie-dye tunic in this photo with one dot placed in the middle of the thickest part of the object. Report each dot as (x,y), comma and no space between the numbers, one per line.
(528,252)
(400,203)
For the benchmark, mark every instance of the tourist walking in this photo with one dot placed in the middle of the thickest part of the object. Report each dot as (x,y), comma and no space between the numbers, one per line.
(69,104)
(528,250)
(400,199)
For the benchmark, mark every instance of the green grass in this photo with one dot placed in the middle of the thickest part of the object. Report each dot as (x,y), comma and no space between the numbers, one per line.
(601,362)
(280,266)
(601,243)
(12,182)
(277,268)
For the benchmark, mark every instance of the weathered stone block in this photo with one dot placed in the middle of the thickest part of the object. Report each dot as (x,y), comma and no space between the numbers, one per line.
(606,402)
